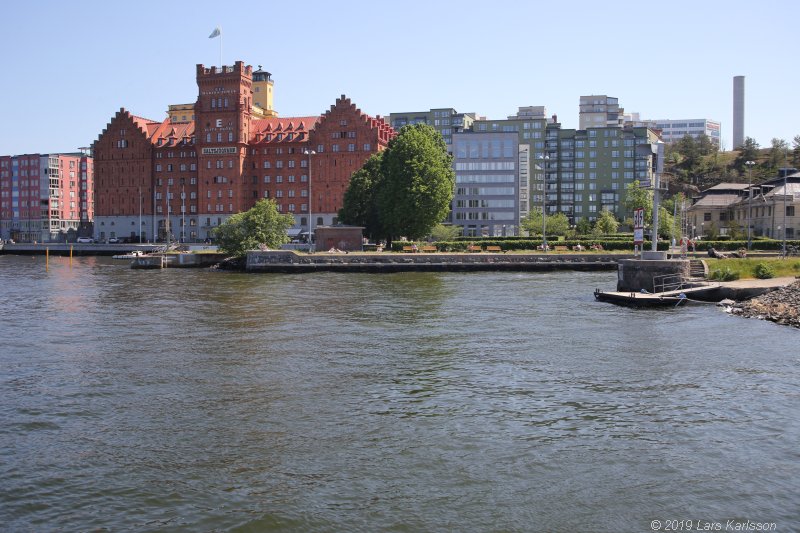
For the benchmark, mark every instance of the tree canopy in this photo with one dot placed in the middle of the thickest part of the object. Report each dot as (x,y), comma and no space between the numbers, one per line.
(359,206)
(262,224)
(607,223)
(417,182)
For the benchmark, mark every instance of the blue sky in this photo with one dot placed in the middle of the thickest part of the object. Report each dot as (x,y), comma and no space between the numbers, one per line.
(69,66)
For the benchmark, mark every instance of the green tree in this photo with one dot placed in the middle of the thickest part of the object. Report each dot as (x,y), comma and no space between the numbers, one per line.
(441,232)
(557,224)
(532,223)
(637,196)
(262,224)
(705,145)
(359,205)
(777,152)
(796,150)
(607,222)
(747,152)
(418,182)
(584,226)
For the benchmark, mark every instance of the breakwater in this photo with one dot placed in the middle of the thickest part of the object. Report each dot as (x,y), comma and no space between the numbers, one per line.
(290,261)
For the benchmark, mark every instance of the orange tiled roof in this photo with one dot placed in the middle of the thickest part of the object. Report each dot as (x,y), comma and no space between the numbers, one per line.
(259,129)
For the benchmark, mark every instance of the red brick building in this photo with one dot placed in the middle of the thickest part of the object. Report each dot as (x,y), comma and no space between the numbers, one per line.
(46,197)
(188,177)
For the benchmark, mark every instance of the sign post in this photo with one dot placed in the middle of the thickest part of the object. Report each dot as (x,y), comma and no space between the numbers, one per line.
(638,229)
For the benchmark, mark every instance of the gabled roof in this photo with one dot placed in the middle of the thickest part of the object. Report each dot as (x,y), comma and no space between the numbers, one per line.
(259,129)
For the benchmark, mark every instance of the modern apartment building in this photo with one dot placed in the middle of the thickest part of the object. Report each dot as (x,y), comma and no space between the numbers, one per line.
(446,121)
(673,130)
(46,197)
(577,172)
(488,174)
(182,179)
(598,111)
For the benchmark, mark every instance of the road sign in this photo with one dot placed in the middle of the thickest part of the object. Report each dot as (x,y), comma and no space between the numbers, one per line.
(638,225)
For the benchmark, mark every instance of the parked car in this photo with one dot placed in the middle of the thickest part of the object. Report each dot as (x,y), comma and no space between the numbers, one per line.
(85,240)
(114,240)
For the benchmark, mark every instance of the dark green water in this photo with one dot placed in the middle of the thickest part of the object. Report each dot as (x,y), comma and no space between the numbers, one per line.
(206,401)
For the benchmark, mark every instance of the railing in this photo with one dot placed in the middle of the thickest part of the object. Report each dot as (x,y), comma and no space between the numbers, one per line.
(668,282)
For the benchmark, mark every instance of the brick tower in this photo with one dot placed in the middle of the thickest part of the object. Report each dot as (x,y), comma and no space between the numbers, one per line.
(222,125)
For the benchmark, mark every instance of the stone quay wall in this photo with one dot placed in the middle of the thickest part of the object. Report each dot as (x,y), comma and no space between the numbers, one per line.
(290,261)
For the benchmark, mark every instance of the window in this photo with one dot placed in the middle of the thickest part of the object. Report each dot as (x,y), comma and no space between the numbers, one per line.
(789,210)
(707,217)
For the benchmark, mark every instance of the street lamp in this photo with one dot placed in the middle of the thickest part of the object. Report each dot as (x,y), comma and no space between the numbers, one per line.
(749,198)
(309,153)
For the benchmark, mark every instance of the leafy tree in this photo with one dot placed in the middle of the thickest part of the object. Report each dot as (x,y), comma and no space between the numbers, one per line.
(637,196)
(418,181)
(705,145)
(533,222)
(359,205)
(584,226)
(440,232)
(778,152)
(557,224)
(796,150)
(607,222)
(262,224)
(747,152)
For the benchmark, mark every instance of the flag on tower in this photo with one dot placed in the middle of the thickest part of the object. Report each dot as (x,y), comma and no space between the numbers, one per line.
(216,33)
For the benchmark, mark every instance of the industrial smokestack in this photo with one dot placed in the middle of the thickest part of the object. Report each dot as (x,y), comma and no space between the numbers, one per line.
(738,111)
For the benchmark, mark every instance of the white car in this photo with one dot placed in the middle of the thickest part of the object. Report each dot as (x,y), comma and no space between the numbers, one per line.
(113,240)
(85,240)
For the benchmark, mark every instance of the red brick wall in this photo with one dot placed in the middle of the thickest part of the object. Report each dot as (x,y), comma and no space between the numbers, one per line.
(122,165)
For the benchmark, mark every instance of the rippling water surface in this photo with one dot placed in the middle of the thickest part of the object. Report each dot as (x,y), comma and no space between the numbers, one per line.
(206,401)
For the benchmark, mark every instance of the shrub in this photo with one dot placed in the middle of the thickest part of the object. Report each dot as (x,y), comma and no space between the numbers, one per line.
(764,271)
(724,274)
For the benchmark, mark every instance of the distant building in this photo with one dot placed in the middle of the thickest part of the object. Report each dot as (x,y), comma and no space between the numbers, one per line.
(673,130)
(600,111)
(445,120)
(46,197)
(577,172)
(180,179)
(774,209)
(486,200)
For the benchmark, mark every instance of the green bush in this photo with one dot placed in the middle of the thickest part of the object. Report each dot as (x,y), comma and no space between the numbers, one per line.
(764,271)
(724,274)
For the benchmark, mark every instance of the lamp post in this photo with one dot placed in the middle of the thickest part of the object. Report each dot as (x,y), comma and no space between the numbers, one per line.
(785,192)
(140,215)
(749,198)
(309,153)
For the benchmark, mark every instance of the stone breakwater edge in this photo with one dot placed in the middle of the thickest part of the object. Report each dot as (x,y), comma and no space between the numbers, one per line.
(781,306)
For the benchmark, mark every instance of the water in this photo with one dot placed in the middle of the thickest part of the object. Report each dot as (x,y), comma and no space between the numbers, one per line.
(206,401)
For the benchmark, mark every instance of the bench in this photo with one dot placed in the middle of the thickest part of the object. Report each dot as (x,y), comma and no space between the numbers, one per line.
(408,249)
(495,249)
(428,249)
(473,248)
(560,248)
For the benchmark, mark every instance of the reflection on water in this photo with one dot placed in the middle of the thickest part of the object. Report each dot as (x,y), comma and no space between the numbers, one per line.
(200,400)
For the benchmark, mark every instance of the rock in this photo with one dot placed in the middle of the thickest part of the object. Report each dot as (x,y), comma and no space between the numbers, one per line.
(781,306)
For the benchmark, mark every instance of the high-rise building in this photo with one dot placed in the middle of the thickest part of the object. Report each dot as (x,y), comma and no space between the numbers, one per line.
(445,120)
(598,111)
(181,179)
(46,197)
(487,195)
(738,111)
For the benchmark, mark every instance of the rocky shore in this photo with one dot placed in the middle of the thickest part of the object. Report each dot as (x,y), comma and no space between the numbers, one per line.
(781,306)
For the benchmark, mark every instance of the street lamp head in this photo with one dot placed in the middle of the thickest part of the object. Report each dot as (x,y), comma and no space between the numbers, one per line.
(309,152)
(749,163)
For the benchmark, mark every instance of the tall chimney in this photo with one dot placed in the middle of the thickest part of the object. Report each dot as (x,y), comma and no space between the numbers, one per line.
(738,112)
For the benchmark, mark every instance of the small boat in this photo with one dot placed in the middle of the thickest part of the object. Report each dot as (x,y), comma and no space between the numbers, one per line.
(130,255)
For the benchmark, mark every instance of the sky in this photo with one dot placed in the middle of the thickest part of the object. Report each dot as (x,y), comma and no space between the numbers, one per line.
(68,67)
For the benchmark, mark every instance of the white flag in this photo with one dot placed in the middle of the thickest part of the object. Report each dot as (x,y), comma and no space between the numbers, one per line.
(216,33)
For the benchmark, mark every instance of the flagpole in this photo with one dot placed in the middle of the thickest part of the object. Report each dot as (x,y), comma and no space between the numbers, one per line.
(220,48)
